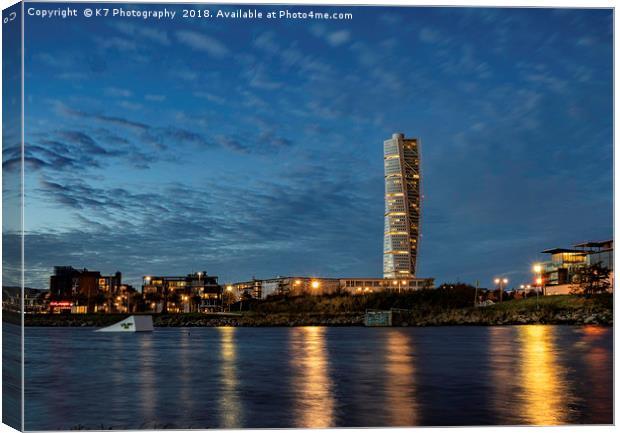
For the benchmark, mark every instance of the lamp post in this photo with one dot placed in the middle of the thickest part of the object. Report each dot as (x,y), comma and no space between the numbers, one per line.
(201,288)
(501,283)
(537,269)
(229,289)
(147,282)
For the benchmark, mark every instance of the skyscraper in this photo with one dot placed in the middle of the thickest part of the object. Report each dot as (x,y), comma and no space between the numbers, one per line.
(402,206)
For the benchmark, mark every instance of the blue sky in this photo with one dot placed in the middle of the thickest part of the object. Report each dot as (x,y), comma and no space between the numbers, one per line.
(254,148)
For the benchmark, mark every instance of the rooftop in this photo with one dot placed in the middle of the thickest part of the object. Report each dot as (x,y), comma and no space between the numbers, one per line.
(562,250)
(595,244)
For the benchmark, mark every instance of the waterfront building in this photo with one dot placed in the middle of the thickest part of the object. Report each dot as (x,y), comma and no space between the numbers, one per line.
(197,292)
(299,285)
(402,206)
(364,285)
(559,273)
(127,299)
(86,291)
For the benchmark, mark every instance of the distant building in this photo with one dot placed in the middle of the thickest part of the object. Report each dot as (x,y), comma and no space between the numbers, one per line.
(197,292)
(402,206)
(560,272)
(259,289)
(35,300)
(127,300)
(86,291)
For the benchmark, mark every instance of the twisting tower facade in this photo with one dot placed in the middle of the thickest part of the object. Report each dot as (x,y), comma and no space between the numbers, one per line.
(402,206)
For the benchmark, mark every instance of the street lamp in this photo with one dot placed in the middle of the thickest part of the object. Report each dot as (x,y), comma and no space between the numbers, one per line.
(501,283)
(315,284)
(538,269)
(229,289)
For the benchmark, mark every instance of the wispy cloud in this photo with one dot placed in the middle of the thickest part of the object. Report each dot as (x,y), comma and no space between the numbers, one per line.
(148,33)
(202,42)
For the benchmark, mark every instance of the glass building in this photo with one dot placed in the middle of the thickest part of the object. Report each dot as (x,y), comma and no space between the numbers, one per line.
(402,206)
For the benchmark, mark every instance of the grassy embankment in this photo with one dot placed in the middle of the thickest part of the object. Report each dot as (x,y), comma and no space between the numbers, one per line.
(423,308)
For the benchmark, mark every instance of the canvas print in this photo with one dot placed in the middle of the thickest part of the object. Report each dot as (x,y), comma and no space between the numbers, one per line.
(225,216)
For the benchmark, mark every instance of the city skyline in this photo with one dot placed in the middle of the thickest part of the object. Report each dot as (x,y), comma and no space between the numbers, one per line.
(167,148)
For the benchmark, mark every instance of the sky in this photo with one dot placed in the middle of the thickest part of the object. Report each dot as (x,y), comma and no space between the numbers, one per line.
(254,148)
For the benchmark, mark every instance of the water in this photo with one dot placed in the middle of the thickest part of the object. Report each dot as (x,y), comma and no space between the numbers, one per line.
(318,377)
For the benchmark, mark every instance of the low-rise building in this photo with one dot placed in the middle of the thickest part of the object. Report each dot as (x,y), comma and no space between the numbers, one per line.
(86,291)
(35,300)
(298,285)
(559,274)
(197,292)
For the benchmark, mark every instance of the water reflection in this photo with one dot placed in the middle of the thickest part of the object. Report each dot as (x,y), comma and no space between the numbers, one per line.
(598,362)
(187,373)
(147,394)
(544,399)
(230,411)
(502,372)
(400,380)
(314,405)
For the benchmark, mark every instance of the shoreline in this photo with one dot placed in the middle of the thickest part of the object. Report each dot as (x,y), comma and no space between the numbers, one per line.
(413,309)
(478,317)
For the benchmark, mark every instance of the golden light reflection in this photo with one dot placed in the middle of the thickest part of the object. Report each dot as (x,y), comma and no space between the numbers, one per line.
(230,411)
(400,380)
(315,404)
(544,392)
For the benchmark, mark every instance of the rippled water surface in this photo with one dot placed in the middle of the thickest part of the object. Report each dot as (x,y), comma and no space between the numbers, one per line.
(318,377)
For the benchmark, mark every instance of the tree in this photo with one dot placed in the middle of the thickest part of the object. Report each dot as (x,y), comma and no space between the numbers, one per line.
(136,302)
(153,298)
(592,279)
(174,297)
(196,301)
(164,308)
(228,297)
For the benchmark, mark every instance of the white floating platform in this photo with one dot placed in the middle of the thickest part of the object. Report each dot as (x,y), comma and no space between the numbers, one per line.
(131,324)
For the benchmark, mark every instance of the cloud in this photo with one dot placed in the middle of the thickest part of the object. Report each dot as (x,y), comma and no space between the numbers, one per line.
(334,39)
(428,35)
(117,92)
(117,43)
(338,38)
(155,97)
(129,105)
(148,33)
(210,97)
(202,42)
(586,41)
(259,78)
(63,109)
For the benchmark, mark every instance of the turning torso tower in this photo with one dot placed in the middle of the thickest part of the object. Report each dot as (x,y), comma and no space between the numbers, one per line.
(402,206)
